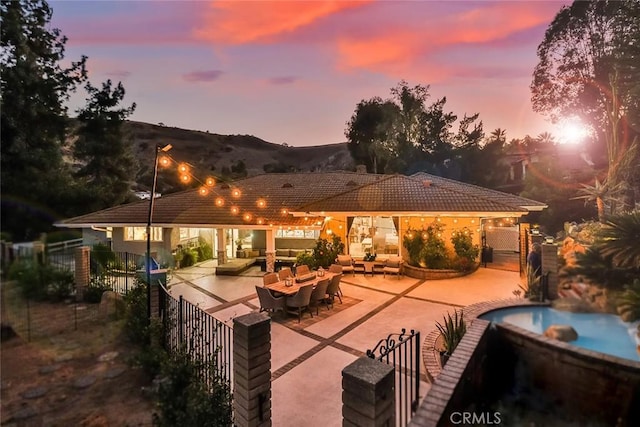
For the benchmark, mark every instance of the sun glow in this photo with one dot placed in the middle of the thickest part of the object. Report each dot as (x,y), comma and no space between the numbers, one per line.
(573,131)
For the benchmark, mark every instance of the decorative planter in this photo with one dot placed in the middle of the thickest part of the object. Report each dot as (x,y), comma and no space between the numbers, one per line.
(428,273)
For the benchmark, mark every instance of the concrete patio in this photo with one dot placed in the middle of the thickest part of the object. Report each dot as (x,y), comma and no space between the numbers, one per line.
(307,363)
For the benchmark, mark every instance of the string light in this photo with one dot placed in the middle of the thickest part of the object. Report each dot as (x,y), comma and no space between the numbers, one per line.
(262,203)
(247,217)
(164,161)
(203,191)
(235,210)
(219,201)
(284,211)
(185,178)
(183,168)
(210,182)
(235,193)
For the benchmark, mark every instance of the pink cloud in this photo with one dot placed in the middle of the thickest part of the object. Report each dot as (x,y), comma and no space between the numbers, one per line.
(119,74)
(264,21)
(202,76)
(283,80)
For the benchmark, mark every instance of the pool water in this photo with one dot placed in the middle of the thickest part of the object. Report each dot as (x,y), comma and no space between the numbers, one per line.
(604,333)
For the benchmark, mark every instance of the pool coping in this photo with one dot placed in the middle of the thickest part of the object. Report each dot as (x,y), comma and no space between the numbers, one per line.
(444,381)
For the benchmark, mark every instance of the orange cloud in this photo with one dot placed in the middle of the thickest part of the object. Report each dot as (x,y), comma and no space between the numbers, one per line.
(406,52)
(239,22)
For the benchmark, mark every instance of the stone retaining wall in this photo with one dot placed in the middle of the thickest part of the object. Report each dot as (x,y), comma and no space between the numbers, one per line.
(430,274)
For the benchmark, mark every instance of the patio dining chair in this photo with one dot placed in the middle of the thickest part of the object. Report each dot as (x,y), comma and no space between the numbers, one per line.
(269,278)
(284,273)
(302,269)
(337,268)
(268,302)
(299,302)
(333,289)
(319,294)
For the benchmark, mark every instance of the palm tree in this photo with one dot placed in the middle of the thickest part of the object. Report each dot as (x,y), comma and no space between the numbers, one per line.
(619,240)
(498,135)
(545,138)
(602,193)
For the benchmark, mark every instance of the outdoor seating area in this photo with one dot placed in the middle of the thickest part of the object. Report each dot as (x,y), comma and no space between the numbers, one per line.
(300,293)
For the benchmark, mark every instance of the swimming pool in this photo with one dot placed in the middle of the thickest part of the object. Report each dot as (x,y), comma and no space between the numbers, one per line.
(604,333)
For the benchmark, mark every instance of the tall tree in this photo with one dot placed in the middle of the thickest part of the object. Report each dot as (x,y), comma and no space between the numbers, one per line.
(589,68)
(370,133)
(34,86)
(109,166)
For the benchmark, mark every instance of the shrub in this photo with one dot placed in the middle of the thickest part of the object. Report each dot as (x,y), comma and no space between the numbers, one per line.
(184,399)
(533,285)
(324,254)
(204,249)
(97,286)
(412,241)
(466,252)
(452,331)
(186,257)
(629,306)
(41,282)
(103,258)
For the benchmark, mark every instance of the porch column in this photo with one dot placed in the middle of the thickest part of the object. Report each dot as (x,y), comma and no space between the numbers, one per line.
(270,252)
(222,245)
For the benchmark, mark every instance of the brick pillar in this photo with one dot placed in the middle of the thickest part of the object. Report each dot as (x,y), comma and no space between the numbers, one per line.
(222,245)
(368,394)
(252,370)
(82,272)
(550,266)
(271,261)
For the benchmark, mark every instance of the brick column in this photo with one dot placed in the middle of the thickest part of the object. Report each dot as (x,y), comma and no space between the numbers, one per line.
(252,370)
(550,265)
(82,272)
(368,394)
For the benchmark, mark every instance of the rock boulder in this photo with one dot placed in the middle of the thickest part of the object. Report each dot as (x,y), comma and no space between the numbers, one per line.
(561,333)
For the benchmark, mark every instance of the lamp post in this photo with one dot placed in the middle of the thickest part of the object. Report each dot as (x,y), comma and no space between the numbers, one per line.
(152,197)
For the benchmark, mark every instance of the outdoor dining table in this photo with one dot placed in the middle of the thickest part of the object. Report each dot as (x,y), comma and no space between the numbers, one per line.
(293,289)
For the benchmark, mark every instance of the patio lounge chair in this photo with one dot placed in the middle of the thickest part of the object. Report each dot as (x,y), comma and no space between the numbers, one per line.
(319,294)
(334,289)
(347,264)
(393,265)
(300,301)
(268,302)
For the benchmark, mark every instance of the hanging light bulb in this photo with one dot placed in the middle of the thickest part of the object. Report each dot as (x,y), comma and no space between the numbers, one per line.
(210,182)
(219,201)
(235,193)
(235,210)
(262,203)
(185,178)
(164,161)
(203,191)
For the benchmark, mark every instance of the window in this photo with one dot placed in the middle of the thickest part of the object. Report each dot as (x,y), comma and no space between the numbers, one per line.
(298,234)
(373,234)
(139,234)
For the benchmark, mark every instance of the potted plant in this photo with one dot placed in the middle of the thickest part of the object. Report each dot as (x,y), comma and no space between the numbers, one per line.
(452,332)
(369,257)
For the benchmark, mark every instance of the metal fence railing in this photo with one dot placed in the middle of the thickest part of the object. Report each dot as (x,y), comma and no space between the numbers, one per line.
(403,352)
(203,337)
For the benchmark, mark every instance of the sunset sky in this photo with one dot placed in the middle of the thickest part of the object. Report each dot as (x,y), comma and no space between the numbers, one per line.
(293,72)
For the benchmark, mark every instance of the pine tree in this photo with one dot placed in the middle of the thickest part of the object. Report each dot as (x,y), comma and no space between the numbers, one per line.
(34,86)
(109,166)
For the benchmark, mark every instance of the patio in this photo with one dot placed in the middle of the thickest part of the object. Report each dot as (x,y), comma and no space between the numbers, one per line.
(312,355)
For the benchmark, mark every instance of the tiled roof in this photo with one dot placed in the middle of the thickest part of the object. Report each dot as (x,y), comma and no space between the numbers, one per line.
(306,192)
(398,193)
(279,191)
(510,199)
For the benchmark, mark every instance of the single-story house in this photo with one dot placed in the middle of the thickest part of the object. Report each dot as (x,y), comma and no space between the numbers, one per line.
(277,215)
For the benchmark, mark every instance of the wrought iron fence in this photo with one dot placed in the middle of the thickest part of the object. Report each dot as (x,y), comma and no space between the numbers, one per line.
(204,338)
(403,352)
(117,271)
